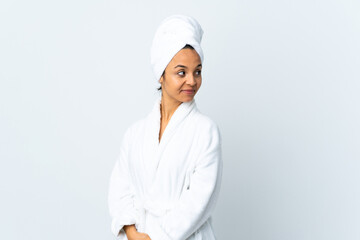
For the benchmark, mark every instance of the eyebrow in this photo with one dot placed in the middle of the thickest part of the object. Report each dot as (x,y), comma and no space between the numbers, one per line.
(186,67)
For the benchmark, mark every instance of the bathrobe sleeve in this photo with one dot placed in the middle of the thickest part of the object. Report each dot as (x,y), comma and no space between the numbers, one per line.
(198,201)
(120,195)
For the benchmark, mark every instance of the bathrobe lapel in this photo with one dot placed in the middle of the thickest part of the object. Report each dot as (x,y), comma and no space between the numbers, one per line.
(153,150)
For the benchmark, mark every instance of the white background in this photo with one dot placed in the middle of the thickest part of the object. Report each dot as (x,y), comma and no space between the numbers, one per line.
(281,79)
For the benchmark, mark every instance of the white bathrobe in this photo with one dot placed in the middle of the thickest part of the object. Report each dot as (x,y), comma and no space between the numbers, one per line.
(167,189)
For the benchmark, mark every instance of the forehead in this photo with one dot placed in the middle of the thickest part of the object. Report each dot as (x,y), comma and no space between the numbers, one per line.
(186,57)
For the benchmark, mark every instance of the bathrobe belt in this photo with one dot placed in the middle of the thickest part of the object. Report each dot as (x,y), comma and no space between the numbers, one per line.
(144,208)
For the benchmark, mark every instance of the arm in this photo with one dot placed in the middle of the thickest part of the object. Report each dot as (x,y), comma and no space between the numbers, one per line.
(120,196)
(198,201)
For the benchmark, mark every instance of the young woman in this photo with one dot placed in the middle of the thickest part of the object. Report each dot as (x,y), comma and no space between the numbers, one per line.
(167,177)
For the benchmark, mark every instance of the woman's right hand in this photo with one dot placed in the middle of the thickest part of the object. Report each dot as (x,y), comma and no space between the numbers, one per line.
(133,234)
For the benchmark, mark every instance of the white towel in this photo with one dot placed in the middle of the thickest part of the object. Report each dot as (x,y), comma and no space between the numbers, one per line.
(171,36)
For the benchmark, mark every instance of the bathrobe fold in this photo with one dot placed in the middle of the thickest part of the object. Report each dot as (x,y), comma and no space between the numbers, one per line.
(167,189)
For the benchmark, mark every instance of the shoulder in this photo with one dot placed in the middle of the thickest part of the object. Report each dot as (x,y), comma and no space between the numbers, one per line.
(208,128)
(134,128)
(209,142)
(206,123)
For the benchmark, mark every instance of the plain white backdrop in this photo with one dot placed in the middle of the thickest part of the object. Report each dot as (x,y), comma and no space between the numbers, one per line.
(281,79)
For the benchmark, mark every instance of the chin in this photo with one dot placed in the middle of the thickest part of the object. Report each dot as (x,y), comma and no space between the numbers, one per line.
(187,99)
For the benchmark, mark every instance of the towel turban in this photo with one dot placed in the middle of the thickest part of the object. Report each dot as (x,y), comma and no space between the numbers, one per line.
(171,36)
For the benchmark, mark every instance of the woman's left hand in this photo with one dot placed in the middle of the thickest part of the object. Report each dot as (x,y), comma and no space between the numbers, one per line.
(138,236)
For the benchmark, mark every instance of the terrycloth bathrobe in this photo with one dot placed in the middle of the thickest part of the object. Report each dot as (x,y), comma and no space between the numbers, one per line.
(168,189)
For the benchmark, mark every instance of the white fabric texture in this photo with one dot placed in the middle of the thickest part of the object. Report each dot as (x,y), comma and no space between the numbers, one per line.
(167,189)
(171,36)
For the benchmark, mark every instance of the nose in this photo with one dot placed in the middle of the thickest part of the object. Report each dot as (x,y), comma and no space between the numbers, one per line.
(191,80)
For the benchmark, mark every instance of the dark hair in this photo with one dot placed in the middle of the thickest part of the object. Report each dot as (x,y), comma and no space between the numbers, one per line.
(187,46)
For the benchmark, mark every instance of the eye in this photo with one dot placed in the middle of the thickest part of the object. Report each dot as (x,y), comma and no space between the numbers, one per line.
(181,73)
(198,72)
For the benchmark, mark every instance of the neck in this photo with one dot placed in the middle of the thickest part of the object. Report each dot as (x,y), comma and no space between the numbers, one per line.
(168,107)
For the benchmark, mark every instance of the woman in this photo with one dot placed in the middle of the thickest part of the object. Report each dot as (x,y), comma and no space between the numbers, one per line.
(166,179)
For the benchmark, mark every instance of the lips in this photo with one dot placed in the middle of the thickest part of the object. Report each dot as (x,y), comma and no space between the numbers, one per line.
(189,91)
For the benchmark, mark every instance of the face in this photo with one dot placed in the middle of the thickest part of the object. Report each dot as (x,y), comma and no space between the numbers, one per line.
(182,77)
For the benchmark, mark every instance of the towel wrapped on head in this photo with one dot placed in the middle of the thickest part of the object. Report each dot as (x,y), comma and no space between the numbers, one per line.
(171,36)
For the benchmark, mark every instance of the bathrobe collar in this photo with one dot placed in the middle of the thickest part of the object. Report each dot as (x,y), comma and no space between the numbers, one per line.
(153,150)
(183,110)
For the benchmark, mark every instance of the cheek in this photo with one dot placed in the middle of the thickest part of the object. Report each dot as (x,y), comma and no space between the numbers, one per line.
(174,84)
(199,83)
